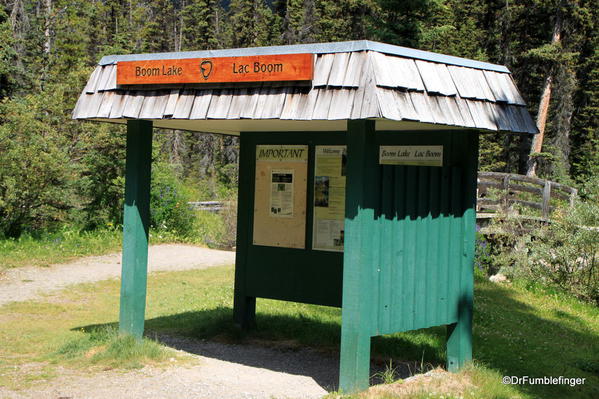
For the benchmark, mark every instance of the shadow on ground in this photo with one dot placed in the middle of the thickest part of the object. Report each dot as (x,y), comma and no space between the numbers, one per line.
(313,350)
(510,336)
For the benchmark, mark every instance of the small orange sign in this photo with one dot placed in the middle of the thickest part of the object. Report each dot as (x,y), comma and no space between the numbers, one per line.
(259,68)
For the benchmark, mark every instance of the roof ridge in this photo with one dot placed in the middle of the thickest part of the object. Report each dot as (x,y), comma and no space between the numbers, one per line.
(314,48)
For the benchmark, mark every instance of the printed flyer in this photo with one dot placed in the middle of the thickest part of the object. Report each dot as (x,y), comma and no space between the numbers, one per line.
(281,193)
(329,198)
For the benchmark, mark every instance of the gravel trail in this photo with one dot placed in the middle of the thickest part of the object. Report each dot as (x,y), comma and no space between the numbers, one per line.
(24,283)
(221,371)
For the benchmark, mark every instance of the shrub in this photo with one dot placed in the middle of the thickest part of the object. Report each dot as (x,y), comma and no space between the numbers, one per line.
(563,254)
(168,202)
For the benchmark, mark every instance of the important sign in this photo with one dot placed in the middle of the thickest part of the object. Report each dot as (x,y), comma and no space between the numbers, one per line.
(418,155)
(260,68)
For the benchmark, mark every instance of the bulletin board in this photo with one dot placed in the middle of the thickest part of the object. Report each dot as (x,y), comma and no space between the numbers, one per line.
(281,182)
(329,198)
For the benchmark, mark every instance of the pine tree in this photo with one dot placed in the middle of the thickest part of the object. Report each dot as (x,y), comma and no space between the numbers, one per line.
(201,24)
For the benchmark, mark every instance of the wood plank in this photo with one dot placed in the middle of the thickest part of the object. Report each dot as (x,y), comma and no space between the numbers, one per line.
(408,68)
(184,104)
(387,104)
(322,69)
(92,82)
(423,110)
(494,82)
(133,105)
(405,105)
(463,81)
(306,106)
(93,105)
(323,104)
(356,112)
(338,69)
(106,106)
(292,99)
(249,107)
(239,97)
(275,99)
(383,74)
(111,83)
(341,104)
(465,112)
(356,63)
(509,87)
(171,104)
(430,77)
(201,103)
(118,105)
(105,77)
(219,104)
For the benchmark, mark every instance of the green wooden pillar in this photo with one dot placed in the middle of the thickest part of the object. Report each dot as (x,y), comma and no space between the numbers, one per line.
(244,306)
(459,335)
(358,268)
(136,223)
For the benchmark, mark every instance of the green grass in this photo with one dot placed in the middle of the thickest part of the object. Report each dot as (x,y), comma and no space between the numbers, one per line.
(517,331)
(105,346)
(57,247)
(66,245)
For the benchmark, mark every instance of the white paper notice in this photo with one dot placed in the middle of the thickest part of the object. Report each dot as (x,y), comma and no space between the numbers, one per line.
(281,193)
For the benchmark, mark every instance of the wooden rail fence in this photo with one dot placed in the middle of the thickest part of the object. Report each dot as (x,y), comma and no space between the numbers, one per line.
(498,192)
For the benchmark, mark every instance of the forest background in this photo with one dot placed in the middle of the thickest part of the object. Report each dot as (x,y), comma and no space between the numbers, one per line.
(55,172)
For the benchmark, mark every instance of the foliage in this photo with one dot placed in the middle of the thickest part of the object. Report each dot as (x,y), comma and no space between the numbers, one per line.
(563,254)
(35,181)
(168,202)
(61,246)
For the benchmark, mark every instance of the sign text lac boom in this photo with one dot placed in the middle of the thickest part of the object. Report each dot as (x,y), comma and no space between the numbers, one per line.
(260,68)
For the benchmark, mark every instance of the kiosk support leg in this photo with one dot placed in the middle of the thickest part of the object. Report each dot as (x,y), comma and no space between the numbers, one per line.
(358,270)
(135,227)
(459,341)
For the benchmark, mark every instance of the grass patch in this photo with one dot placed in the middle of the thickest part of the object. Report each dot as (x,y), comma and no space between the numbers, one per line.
(57,247)
(518,331)
(472,382)
(105,346)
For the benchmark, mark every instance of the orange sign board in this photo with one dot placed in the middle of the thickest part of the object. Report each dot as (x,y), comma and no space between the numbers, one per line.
(258,68)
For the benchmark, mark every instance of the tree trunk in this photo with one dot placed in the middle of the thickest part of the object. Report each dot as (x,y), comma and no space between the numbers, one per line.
(48,23)
(537,141)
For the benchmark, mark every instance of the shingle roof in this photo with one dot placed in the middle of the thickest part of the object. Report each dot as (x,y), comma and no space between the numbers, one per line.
(368,80)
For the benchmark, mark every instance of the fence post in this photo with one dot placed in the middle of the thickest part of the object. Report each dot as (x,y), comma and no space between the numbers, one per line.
(506,194)
(546,199)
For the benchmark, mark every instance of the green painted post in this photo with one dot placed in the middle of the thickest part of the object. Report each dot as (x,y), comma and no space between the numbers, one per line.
(136,223)
(244,306)
(358,269)
(459,335)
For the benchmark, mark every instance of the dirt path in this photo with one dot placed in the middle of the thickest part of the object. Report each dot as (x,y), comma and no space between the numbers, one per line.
(221,371)
(25,283)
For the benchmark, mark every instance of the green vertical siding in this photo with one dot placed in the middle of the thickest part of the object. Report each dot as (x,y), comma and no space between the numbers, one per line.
(419,244)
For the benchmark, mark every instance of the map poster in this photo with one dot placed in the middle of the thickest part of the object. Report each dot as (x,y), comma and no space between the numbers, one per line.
(281,193)
(329,198)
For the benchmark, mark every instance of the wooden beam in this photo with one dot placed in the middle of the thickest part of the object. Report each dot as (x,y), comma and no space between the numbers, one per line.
(136,222)
(358,283)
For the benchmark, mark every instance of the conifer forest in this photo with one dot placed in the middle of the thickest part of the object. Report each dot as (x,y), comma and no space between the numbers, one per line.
(55,171)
